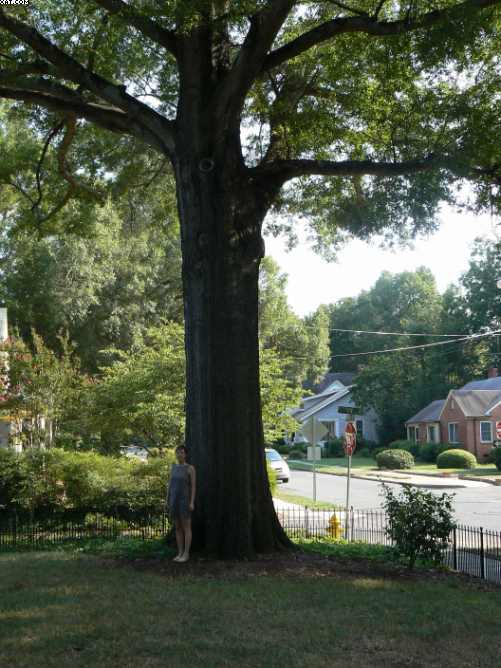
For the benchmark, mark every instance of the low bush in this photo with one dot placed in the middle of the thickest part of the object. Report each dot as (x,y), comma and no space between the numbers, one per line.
(365,452)
(41,483)
(395,459)
(400,445)
(335,448)
(376,451)
(495,457)
(419,523)
(295,453)
(272,478)
(428,452)
(456,459)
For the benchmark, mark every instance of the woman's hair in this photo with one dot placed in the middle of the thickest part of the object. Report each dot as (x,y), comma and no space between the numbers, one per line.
(181,447)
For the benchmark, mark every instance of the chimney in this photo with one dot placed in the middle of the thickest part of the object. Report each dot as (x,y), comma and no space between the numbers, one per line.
(492,372)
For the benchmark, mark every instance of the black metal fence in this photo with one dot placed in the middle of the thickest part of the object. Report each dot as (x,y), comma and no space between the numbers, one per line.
(471,550)
(24,533)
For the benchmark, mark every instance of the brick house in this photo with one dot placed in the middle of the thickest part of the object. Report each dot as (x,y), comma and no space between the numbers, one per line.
(466,418)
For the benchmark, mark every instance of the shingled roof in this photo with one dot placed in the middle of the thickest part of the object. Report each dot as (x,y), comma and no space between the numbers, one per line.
(476,403)
(485,384)
(345,377)
(430,413)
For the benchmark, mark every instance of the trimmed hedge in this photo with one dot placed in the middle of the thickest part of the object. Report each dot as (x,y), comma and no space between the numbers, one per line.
(395,459)
(495,457)
(456,459)
(428,452)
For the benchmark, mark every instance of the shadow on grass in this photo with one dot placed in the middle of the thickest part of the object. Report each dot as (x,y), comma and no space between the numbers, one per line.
(70,609)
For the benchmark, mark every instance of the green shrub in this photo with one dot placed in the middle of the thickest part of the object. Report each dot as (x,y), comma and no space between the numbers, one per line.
(400,445)
(495,457)
(363,443)
(272,478)
(395,459)
(365,452)
(419,523)
(428,452)
(456,459)
(295,453)
(335,448)
(375,452)
(42,483)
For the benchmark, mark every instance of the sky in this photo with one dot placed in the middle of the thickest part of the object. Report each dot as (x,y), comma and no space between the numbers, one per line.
(313,281)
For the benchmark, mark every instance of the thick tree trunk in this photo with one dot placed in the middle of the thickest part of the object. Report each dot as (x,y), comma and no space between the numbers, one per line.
(222,248)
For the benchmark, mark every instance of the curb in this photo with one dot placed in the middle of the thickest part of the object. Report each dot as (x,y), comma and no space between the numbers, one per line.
(398,482)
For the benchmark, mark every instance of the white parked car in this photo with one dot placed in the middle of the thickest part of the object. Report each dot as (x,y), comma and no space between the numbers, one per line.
(278,464)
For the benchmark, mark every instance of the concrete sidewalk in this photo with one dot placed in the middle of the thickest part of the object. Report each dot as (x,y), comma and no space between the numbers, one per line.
(404,478)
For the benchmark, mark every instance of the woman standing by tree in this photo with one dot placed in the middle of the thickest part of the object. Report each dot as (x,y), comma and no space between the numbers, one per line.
(181,501)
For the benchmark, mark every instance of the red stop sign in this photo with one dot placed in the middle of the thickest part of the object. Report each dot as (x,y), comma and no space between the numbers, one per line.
(350,438)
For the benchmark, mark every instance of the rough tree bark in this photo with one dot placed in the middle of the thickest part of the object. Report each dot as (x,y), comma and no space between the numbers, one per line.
(221,212)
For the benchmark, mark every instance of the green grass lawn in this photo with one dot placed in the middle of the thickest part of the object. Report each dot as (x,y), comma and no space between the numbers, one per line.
(367,465)
(72,610)
(301,500)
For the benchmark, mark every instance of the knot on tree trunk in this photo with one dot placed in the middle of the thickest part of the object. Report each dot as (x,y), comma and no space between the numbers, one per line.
(247,247)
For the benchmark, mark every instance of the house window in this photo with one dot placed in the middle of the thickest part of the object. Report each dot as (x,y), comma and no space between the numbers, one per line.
(331,426)
(360,427)
(432,435)
(453,432)
(486,432)
(413,434)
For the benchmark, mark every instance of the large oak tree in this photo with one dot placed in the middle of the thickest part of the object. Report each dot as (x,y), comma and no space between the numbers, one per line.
(361,115)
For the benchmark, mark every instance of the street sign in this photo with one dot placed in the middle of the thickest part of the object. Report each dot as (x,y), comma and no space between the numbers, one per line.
(350,438)
(498,430)
(314,431)
(350,442)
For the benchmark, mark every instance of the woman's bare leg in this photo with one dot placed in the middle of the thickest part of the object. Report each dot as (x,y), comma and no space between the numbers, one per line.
(179,538)
(186,524)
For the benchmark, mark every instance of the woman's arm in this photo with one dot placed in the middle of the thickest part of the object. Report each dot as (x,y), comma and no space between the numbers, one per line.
(193,486)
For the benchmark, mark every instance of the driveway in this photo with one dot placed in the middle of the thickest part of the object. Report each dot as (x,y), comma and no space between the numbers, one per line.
(475,506)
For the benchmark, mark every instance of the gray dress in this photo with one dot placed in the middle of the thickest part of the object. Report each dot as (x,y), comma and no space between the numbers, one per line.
(178,495)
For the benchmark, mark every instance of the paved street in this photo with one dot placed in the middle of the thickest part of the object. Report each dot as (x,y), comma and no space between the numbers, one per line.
(478,506)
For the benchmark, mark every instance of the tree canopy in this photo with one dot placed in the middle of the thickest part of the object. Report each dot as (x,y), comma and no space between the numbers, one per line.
(395,100)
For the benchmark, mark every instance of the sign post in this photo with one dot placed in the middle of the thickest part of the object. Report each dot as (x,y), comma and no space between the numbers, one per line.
(314,431)
(350,443)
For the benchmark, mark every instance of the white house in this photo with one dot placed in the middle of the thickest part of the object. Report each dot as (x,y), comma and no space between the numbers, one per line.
(333,405)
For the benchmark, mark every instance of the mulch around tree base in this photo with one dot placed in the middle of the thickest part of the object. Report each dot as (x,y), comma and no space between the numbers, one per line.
(294,564)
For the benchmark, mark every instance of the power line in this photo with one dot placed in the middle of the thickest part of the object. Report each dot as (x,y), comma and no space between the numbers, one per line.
(424,345)
(362,331)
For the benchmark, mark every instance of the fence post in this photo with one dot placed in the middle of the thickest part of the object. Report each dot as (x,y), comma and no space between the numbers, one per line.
(352,522)
(482,554)
(454,549)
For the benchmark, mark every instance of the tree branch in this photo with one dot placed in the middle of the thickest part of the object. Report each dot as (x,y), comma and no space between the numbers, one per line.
(116,95)
(369,25)
(14,80)
(264,27)
(145,25)
(284,170)
(108,118)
